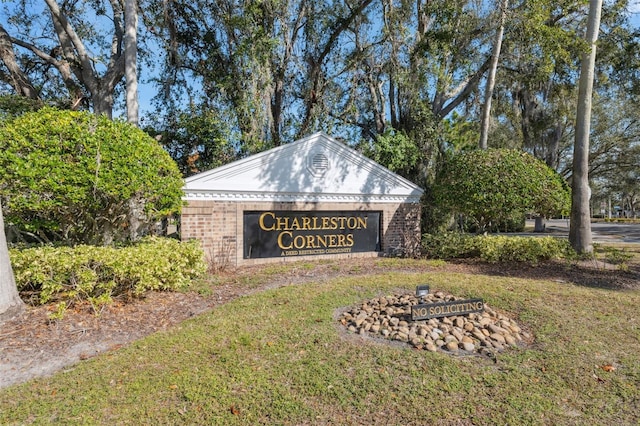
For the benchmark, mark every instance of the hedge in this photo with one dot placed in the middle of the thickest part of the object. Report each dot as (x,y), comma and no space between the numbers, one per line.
(494,248)
(97,274)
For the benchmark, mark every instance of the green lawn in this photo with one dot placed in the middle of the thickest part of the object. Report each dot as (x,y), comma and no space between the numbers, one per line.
(278,357)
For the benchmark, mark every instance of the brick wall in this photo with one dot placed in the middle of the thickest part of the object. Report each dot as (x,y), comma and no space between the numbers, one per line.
(219,226)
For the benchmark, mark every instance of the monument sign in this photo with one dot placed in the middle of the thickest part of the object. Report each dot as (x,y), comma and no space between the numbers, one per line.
(303,233)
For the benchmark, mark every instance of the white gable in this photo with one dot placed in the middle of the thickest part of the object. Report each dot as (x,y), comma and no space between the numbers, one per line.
(316,168)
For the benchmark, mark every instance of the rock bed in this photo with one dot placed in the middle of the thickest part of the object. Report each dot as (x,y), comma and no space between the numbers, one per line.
(389,317)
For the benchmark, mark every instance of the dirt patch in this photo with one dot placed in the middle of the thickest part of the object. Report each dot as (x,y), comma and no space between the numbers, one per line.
(33,346)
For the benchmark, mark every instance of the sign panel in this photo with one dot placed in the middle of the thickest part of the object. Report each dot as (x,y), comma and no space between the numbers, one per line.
(303,233)
(446,309)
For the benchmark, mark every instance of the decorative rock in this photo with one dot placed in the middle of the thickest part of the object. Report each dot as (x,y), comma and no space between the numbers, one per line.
(449,338)
(510,340)
(497,337)
(360,318)
(386,317)
(452,346)
(495,329)
(485,321)
(478,334)
(469,347)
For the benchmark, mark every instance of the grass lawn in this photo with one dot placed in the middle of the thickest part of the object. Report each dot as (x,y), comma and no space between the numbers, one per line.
(280,357)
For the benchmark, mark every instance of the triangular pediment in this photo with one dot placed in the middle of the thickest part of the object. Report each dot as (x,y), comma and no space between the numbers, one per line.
(315,168)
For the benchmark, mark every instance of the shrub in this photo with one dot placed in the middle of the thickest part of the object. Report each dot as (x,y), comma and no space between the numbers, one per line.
(97,274)
(492,248)
(81,178)
(492,186)
(448,245)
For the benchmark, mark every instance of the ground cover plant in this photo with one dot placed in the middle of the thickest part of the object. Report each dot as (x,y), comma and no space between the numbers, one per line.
(280,356)
(97,274)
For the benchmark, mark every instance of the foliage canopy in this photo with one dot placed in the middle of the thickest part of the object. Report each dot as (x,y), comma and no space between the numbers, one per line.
(197,140)
(491,186)
(78,177)
(394,150)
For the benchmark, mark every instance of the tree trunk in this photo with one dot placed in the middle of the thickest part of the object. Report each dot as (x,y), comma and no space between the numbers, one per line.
(580,227)
(131,59)
(491,79)
(10,302)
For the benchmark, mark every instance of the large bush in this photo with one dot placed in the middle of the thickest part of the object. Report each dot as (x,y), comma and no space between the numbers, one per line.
(82,178)
(496,185)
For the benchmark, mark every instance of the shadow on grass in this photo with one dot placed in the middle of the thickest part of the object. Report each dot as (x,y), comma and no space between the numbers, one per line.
(590,273)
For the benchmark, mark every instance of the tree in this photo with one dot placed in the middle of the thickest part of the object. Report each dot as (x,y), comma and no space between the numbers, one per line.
(491,79)
(244,57)
(534,97)
(89,60)
(494,186)
(80,178)
(10,302)
(394,150)
(131,59)
(580,227)
(270,66)
(197,140)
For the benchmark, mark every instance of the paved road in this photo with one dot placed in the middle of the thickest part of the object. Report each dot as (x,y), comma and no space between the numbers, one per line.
(601,232)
